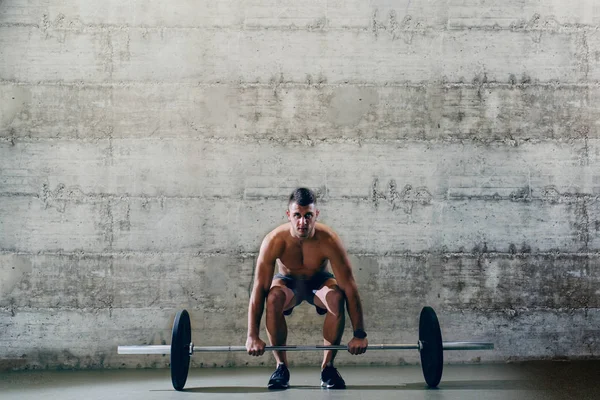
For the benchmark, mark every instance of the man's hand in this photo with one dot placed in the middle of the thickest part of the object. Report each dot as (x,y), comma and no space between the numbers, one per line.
(255,346)
(357,346)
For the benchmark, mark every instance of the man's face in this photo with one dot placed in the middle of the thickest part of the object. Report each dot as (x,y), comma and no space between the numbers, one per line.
(303,219)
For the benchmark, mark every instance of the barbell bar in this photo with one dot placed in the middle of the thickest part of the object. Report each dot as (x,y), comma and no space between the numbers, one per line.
(166,349)
(429,345)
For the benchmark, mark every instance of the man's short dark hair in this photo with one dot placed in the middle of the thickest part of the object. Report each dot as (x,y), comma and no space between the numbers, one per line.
(303,197)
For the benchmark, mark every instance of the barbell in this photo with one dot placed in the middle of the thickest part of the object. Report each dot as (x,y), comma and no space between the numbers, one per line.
(429,345)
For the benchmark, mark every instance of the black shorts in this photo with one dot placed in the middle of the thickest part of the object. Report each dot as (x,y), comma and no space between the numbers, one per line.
(304,289)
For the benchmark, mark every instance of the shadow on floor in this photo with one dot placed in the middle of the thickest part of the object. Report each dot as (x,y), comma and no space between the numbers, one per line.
(451,385)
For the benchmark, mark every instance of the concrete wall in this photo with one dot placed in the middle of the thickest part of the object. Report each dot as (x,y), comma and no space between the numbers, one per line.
(146,147)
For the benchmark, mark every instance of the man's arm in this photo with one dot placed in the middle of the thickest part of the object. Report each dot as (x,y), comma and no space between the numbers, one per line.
(265,267)
(340,264)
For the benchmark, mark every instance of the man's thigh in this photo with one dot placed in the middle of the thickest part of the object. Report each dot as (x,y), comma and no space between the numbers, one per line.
(320,298)
(290,297)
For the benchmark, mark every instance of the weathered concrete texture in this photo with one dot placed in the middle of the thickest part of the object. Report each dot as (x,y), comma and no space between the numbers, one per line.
(530,16)
(147,195)
(265,56)
(104,301)
(94,336)
(486,111)
(146,148)
(520,281)
(104,282)
(508,283)
(556,172)
(217,225)
(391,16)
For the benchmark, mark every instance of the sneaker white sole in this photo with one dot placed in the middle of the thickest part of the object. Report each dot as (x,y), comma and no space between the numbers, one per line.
(323,384)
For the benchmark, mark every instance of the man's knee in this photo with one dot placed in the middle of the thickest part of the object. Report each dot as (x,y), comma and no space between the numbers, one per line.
(334,298)
(276,299)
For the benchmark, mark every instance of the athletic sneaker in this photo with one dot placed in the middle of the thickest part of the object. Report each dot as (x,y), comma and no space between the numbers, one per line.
(280,378)
(331,378)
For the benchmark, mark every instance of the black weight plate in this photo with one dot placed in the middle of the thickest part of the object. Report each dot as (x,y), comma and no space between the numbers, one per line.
(180,349)
(432,353)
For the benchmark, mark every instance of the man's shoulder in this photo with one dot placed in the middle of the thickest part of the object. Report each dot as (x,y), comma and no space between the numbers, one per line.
(277,235)
(325,233)
(280,230)
(273,244)
(329,241)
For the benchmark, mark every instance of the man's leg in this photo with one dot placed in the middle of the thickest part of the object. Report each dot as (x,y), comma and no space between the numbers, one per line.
(279,299)
(330,297)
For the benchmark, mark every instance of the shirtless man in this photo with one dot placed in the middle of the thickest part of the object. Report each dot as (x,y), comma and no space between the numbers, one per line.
(301,249)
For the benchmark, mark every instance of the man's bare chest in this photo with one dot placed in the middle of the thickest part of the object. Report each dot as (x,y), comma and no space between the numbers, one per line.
(303,260)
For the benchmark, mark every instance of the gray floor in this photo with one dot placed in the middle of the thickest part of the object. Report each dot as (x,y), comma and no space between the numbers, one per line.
(535,380)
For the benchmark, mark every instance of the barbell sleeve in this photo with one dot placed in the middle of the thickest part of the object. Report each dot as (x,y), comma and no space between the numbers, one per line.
(164,349)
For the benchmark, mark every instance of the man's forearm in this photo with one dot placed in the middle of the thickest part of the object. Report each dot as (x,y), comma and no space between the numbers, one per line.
(354,307)
(255,311)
